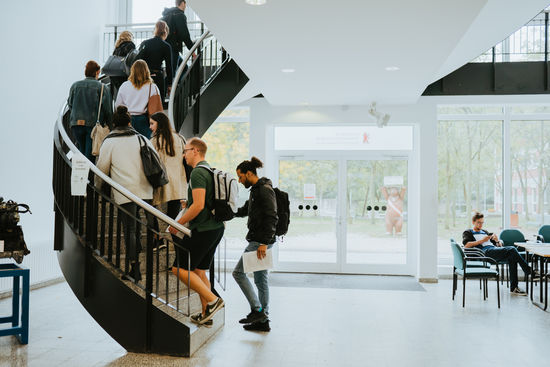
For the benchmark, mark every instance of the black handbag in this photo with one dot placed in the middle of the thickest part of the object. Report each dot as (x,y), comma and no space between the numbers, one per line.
(152,166)
(114,66)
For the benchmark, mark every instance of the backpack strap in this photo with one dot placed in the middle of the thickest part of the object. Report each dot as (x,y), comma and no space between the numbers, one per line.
(213,183)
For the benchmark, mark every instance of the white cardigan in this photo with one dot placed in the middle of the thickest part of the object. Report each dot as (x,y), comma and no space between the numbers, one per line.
(176,188)
(119,158)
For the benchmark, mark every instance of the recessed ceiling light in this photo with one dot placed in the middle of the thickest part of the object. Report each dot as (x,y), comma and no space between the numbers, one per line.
(288,70)
(255,2)
(392,68)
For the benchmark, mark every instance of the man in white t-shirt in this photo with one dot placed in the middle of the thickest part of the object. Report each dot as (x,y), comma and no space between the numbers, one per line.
(490,245)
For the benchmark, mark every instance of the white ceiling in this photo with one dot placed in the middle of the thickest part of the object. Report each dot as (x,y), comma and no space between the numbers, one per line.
(340,49)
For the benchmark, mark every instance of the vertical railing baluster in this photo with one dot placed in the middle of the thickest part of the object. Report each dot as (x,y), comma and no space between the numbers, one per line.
(167,279)
(118,238)
(102,228)
(111,232)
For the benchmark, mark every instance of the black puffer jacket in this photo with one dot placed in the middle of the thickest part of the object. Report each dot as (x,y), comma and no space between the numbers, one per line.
(261,208)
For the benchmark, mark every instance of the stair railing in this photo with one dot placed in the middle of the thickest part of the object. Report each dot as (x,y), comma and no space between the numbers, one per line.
(199,66)
(96,219)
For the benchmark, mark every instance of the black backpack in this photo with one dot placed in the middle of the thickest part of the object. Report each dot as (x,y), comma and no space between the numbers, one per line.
(283,212)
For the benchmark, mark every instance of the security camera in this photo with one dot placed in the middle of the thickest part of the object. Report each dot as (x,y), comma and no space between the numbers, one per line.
(381,118)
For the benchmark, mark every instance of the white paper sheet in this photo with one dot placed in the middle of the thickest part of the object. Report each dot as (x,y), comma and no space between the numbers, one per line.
(251,263)
(179,234)
(79,175)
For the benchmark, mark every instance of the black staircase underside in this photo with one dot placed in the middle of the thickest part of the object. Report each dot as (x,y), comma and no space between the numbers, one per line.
(214,98)
(116,307)
(505,78)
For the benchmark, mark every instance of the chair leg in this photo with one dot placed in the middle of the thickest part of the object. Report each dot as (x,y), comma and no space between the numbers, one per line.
(454,285)
(479,283)
(498,293)
(507,275)
(464,291)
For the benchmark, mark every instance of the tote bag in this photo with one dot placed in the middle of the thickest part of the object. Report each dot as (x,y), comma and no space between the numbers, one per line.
(99,132)
(154,104)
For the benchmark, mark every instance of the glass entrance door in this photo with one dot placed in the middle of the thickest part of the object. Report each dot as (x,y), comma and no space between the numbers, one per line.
(347,215)
(376,225)
(312,241)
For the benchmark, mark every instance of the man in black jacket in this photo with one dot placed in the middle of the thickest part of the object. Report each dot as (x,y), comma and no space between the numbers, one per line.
(261,209)
(177,22)
(490,245)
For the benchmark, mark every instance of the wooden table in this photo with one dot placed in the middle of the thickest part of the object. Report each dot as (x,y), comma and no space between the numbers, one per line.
(540,251)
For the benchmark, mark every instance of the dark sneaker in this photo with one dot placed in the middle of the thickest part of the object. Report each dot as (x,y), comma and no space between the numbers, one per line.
(518,292)
(197,318)
(258,326)
(254,316)
(211,310)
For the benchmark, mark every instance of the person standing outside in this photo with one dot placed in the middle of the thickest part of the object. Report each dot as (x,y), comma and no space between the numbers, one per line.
(206,232)
(179,33)
(261,209)
(84,100)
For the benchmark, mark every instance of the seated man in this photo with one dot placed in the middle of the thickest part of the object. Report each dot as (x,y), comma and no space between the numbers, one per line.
(489,244)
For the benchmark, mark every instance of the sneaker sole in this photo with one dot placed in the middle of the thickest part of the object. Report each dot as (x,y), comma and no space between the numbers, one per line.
(246,321)
(219,306)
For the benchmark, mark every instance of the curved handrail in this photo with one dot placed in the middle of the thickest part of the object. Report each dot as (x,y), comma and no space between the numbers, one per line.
(157,213)
(180,71)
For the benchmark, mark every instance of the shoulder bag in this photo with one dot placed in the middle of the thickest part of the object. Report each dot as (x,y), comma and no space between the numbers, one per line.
(99,132)
(154,104)
(152,166)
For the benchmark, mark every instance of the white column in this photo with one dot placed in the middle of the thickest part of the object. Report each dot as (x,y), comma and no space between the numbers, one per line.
(507,168)
(427,192)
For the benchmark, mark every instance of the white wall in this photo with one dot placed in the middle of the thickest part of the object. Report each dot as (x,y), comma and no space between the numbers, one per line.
(422,192)
(45,45)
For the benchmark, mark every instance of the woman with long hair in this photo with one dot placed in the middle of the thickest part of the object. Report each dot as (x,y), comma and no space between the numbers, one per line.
(135,93)
(123,46)
(156,50)
(169,146)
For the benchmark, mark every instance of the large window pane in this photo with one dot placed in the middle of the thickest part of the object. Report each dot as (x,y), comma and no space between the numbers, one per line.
(530,169)
(470,179)
(223,137)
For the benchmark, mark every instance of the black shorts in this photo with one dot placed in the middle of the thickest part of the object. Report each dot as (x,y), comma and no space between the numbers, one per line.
(202,247)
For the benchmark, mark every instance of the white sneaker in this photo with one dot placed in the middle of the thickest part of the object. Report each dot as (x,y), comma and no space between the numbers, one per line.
(518,292)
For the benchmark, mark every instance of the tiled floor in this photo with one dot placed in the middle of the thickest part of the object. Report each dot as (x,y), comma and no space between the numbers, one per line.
(311,327)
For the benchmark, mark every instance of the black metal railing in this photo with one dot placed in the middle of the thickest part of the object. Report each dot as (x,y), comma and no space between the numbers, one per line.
(141,32)
(198,68)
(97,220)
(529,43)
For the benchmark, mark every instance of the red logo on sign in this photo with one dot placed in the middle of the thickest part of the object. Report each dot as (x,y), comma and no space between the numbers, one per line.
(365,138)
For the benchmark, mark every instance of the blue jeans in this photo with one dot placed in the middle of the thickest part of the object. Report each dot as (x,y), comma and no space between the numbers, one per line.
(260,301)
(141,124)
(82,135)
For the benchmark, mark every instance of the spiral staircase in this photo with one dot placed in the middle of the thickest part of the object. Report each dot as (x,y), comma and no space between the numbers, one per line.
(152,315)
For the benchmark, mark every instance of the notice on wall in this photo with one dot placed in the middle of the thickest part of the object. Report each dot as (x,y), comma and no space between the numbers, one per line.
(1,246)
(79,175)
(309,192)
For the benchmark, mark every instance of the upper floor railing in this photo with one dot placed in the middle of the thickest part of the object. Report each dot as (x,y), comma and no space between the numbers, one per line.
(529,43)
(141,32)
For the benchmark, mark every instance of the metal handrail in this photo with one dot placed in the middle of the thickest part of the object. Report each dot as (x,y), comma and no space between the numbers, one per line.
(145,24)
(157,213)
(180,71)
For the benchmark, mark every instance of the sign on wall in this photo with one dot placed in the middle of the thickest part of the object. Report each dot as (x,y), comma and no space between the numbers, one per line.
(343,138)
